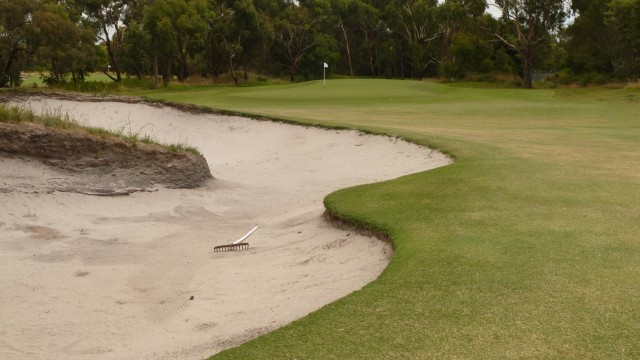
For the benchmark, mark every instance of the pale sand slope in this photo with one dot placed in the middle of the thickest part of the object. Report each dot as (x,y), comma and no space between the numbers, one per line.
(111,277)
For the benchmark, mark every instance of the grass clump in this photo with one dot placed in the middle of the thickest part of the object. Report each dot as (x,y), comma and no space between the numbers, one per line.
(54,118)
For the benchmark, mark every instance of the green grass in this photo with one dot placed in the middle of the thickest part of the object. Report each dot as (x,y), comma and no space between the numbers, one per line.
(528,246)
(34,79)
(55,119)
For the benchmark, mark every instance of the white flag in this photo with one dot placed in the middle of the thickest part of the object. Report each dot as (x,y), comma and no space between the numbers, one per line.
(326,65)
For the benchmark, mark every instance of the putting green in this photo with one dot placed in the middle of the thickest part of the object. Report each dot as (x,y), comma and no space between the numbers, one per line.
(528,246)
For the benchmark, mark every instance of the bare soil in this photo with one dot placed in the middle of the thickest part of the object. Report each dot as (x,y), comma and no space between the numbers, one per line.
(107,165)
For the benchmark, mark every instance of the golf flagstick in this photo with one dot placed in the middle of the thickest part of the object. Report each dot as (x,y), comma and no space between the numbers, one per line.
(324,74)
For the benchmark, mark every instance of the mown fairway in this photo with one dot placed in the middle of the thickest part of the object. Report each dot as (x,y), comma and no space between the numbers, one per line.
(528,246)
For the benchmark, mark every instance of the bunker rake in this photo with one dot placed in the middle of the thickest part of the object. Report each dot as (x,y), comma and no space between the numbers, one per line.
(236,245)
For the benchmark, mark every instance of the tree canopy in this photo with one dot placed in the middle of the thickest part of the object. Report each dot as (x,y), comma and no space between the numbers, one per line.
(167,40)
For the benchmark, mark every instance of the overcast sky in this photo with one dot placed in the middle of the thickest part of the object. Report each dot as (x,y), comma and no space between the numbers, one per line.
(493,10)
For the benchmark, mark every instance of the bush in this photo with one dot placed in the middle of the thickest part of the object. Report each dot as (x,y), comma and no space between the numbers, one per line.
(134,83)
(95,86)
(567,77)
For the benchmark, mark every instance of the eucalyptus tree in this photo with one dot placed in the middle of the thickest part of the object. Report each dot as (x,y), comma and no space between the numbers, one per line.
(361,31)
(295,30)
(374,34)
(189,27)
(157,23)
(603,38)
(15,20)
(61,44)
(106,18)
(325,39)
(532,23)
(458,20)
(233,28)
(258,53)
(345,13)
(593,46)
(136,50)
(417,30)
(623,18)
(176,29)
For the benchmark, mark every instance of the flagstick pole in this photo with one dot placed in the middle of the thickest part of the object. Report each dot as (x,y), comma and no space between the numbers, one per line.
(324,75)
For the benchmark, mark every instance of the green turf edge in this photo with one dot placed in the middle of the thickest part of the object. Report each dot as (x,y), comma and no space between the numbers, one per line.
(199,109)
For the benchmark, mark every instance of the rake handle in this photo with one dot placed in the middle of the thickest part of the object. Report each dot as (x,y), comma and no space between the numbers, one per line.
(246,236)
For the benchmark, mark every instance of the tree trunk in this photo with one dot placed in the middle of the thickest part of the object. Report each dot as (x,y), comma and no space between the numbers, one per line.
(182,73)
(138,72)
(526,68)
(346,40)
(109,75)
(166,76)
(155,68)
(112,57)
(233,70)
(7,68)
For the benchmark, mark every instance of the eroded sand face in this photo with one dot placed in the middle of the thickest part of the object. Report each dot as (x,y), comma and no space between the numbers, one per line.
(111,277)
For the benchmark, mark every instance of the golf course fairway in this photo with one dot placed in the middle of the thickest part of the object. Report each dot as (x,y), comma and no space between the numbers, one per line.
(528,246)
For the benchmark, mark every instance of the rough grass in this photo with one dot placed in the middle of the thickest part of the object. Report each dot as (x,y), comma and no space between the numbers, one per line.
(56,119)
(528,246)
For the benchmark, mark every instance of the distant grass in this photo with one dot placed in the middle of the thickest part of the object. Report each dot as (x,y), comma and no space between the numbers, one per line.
(601,93)
(528,246)
(98,82)
(35,79)
(57,120)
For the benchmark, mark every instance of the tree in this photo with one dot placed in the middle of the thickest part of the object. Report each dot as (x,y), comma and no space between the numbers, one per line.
(458,21)
(416,25)
(603,39)
(176,29)
(60,44)
(592,45)
(623,17)
(294,35)
(105,17)
(373,35)
(233,28)
(189,29)
(532,22)
(346,12)
(135,50)
(15,20)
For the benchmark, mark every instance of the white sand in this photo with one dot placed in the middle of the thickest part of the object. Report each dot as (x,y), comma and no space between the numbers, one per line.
(111,277)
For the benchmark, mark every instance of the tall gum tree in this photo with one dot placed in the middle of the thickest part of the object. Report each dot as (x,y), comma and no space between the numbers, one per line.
(294,36)
(532,21)
(60,45)
(233,27)
(623,17)
(15,19)
(415,22)
(106,17)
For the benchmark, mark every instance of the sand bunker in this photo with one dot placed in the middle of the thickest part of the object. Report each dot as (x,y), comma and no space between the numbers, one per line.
(112,277)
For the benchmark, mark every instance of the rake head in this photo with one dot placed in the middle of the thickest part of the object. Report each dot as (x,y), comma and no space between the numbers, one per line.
(231,247)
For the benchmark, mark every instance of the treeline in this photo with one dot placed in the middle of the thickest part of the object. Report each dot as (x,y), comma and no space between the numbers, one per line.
(163,40)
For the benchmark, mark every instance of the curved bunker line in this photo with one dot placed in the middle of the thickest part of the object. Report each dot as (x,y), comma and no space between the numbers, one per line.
(338,220)
(12,94)
(188,348)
